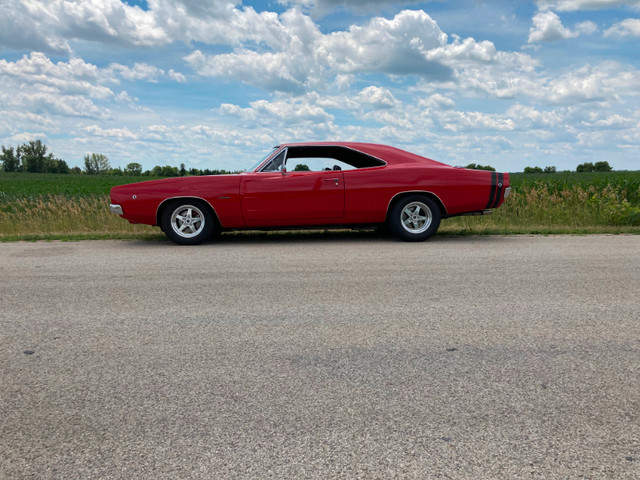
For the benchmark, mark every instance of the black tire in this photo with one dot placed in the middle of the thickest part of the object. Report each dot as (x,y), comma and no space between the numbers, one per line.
(188,221)
(414,218)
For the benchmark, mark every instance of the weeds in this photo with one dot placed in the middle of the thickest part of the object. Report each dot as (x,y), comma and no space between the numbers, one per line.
(58,214)
(562,203)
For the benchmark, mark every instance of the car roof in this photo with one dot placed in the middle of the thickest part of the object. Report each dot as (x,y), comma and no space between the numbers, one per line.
(391,155)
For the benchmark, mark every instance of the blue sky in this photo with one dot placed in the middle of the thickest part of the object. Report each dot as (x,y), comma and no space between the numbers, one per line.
(216,83)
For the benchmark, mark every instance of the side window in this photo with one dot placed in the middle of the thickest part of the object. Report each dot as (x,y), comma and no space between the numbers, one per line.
(315,164)
(275,165)
(321,158)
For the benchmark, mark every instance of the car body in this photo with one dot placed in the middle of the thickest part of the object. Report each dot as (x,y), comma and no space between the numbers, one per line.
(303,185)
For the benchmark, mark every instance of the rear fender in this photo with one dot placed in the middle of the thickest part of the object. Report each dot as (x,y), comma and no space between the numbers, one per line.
(431,195)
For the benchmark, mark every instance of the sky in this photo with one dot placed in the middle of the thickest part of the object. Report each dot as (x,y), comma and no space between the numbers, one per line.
(216,83)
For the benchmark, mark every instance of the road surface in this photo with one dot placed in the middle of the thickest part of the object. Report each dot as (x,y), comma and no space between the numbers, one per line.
(326,356)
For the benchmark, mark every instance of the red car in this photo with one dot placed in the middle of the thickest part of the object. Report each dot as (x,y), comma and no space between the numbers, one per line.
(315,185)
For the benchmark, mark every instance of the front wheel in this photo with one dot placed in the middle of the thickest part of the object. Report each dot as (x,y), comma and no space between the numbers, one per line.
(414,218)
(188,222)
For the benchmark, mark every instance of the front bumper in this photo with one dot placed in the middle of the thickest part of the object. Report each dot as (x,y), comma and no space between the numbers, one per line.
(115,208)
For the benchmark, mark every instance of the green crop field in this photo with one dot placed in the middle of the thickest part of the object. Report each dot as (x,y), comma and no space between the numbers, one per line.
(51,206)
(21,185)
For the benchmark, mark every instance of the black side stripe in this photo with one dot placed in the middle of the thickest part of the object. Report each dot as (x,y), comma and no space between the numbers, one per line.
(500,189)
(492,195)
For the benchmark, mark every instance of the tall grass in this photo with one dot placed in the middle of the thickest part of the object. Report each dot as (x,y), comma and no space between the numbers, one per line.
(561,203)
(560,207)
(67,216)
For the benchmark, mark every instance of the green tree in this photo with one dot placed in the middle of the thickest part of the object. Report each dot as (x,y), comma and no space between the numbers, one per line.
(166,171)
(532,170)
(35,159)
(585,167)
(33,156)
(183,170)
(56,165)
(550,169)
(169,171)
(301,167)
(96,164)
(11,159)
(602,167)
(133,168)
(474,166)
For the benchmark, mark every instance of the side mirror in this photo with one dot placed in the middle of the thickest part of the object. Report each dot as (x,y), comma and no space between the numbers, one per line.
(284,169)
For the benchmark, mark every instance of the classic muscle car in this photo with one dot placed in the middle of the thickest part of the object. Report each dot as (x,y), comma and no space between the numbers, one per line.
(303,185)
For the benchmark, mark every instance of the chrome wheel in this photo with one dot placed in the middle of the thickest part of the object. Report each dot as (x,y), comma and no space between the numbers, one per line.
(187,221)
(416,218)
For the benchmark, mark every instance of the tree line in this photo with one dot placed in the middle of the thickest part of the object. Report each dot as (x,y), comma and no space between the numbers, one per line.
(34,157)
(583,167)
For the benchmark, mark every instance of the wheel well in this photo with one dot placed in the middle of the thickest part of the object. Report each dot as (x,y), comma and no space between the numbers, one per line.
(400,196)
(162,207)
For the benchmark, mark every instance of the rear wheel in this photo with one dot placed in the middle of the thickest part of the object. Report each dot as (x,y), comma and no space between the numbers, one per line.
(188,222)
(414,218)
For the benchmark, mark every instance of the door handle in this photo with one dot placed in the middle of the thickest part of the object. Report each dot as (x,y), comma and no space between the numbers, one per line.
(336,180)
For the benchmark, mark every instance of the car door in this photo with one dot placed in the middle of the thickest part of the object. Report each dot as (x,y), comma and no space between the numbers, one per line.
(279,198)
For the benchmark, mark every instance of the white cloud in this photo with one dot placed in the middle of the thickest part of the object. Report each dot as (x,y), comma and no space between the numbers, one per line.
(604,82)
(547,27)
(319,8)
(75,76)
(26,137)
(464,121)
(411,43)
(282,111)
(396,46)
(115,133)
(573,5)
(614,122)
(38,71)
(74,88)
(177,76)
(528,117)
(377,97)
(139,71)
(438,102)
(586,28)
(628,27)
(48,25)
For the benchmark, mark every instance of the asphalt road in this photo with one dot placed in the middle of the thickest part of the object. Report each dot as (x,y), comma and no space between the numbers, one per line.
(332,357)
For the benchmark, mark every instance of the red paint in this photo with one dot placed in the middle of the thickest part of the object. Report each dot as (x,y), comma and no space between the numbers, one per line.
(347,197)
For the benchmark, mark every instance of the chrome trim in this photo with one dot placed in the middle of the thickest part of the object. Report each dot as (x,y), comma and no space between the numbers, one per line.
(507,192)
(115,208)
(419,191)
(187,196)
(488,211)
(363,153)
(285,146)
(276,151)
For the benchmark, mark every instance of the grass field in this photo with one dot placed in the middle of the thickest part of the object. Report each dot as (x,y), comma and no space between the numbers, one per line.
(50,206)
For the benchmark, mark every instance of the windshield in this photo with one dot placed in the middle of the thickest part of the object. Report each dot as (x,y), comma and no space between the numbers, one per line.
(273,150)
